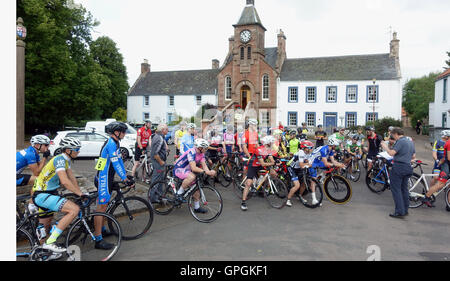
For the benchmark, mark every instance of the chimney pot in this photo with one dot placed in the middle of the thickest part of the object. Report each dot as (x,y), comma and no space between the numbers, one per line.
(145,67)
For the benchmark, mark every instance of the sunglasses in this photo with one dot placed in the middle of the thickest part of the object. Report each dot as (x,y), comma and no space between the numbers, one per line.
(76,149)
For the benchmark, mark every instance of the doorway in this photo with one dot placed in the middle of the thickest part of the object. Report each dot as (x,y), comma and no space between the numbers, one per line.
(245,96)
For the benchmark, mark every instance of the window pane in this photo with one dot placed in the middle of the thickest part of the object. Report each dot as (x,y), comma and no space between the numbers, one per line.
(228,88)
(351,94)
(372,94)
(311,95)
(351,120)
(292,119)
(331,94)
(265,87)
(310,120)
(293,94)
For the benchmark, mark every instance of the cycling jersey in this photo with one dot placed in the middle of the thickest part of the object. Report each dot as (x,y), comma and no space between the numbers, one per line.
(251,139)
(261,153)
(145,135)
(319,153)
(438,147)
(187,142)
(374,144)
(26,157)
(339,137)
(354,147)
(48,179)
(109,163)
(293,145)
(179,135)
(300,157)
(181,168)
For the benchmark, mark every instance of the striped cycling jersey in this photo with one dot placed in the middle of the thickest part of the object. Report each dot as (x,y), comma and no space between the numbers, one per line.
(438,147)
(319,153)
(189,156)
(48,179)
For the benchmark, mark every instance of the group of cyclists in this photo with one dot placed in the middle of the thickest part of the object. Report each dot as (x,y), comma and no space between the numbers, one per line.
(194,151)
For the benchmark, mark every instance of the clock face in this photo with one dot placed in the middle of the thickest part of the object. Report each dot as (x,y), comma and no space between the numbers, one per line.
(245,36)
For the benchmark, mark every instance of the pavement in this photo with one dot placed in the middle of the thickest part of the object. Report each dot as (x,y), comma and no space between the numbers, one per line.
(359,230)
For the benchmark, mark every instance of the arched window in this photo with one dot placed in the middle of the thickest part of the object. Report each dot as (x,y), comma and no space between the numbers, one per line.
(265,87)
(242,53)
(228,88)
(249,52)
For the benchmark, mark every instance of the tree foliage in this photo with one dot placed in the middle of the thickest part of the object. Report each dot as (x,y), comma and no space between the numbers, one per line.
(448,61)
(120,114)
(417,94)
(64,82)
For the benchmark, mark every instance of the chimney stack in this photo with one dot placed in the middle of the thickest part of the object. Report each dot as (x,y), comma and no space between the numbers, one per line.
(395,52)
(215,64)
(145,67)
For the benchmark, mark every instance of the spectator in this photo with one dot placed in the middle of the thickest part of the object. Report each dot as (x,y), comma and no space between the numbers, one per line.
(418,126)
(320,136)
(158,157)
(143,140)
(403,152)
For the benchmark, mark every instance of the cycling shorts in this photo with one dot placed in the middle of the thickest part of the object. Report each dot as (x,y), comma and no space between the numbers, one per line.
(182,173)
(47,201)
(436,168)
(22,179)
(252,172)
(138,152)
(444,176)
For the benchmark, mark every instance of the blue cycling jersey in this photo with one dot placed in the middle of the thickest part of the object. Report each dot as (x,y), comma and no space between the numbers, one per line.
(111,157)
(319,153)
(187,142)
(26,157)
(438,147)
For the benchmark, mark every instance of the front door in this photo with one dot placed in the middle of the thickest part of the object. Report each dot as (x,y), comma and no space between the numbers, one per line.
(245,95)
(330,122)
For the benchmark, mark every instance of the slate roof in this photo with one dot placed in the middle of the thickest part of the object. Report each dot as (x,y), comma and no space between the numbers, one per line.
(343,68)
(249,16)
(189,82)
(271,57)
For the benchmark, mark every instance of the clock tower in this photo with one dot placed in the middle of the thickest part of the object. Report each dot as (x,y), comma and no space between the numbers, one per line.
(249,75)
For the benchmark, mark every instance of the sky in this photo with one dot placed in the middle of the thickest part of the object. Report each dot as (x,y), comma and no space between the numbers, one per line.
(188,35)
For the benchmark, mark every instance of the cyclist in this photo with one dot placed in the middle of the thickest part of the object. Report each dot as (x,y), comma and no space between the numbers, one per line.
(109,163)
(353,149)
(320,135)
(302,132)
(250,142)
(178,136)
(256,162)
(185,167)
(444,175)
(438,154)
(187,141)
(301,160)
(340,135)
(293,143)
(279,144)
(29,157)
(324,156)
(55,173)
(374,141)
(214,147)
(228,141)
(143,141)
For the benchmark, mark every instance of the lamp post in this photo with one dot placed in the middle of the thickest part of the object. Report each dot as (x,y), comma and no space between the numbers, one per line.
(21,33)
(373,99)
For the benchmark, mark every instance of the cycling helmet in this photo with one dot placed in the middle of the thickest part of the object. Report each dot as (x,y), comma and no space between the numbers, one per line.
(307,144)
(267,140)
(201,143)
(191,126)
(116,126)
(390,128)
(370,128)
(333,141)
(147,121)
(355,137)
(445,133)
(292,132)
(70,143)
(252,121)
(39,139)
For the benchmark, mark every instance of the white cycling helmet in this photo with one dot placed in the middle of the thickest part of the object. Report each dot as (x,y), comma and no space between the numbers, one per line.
(191,126)
(267,140)
(70,143)
(333,141)
(445,133)
(252,121)
(39,139)
(201,143)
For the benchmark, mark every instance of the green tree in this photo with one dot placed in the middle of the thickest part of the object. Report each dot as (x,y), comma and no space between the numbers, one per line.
(448,61)
(120,114)
(417,94)
(104,51)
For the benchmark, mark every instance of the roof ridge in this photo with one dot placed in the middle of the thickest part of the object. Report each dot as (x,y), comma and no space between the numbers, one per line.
(188,70)
(346,56)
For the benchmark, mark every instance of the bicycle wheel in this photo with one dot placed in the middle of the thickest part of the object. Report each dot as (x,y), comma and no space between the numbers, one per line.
(82,235)
(356,170)
(135,216)
(210,200)
(275,192)
(166,202)
(337,189)
(376,180)
(416,192)
(224,175)
(447,198)
(129,163)
(24,244)
(308,197)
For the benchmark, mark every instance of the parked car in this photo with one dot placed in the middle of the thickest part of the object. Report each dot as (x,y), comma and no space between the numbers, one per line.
(91,141)
(99,126)
(170,137)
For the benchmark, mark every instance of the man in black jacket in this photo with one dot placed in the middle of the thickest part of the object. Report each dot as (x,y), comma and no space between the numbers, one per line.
(374,140)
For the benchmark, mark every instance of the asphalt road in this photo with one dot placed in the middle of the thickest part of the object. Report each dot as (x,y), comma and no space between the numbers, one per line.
(331,232)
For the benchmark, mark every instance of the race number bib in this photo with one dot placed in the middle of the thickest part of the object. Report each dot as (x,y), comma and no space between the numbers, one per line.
(101,163)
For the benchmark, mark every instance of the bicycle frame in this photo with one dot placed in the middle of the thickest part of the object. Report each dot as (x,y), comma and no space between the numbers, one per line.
(422,178)
(385,170)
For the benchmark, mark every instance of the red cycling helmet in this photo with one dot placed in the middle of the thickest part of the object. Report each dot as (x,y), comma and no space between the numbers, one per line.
(307,144)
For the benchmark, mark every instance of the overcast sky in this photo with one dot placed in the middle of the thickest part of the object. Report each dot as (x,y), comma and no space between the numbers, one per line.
(187,35)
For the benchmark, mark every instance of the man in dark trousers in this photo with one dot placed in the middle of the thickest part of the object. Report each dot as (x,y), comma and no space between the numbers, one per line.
(403,152)
(158,157)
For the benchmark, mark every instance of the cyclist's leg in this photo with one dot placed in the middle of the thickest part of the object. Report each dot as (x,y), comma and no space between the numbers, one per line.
(137,159)
(104,196)
(187,176)
(251,173)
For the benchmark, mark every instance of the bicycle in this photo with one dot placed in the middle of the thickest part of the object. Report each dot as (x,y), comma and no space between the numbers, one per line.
(420,188)
(274,189)
(356,170)
(80,234)
(144,170)
(223,171)
(337,189)
(135,214)
(210,198)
